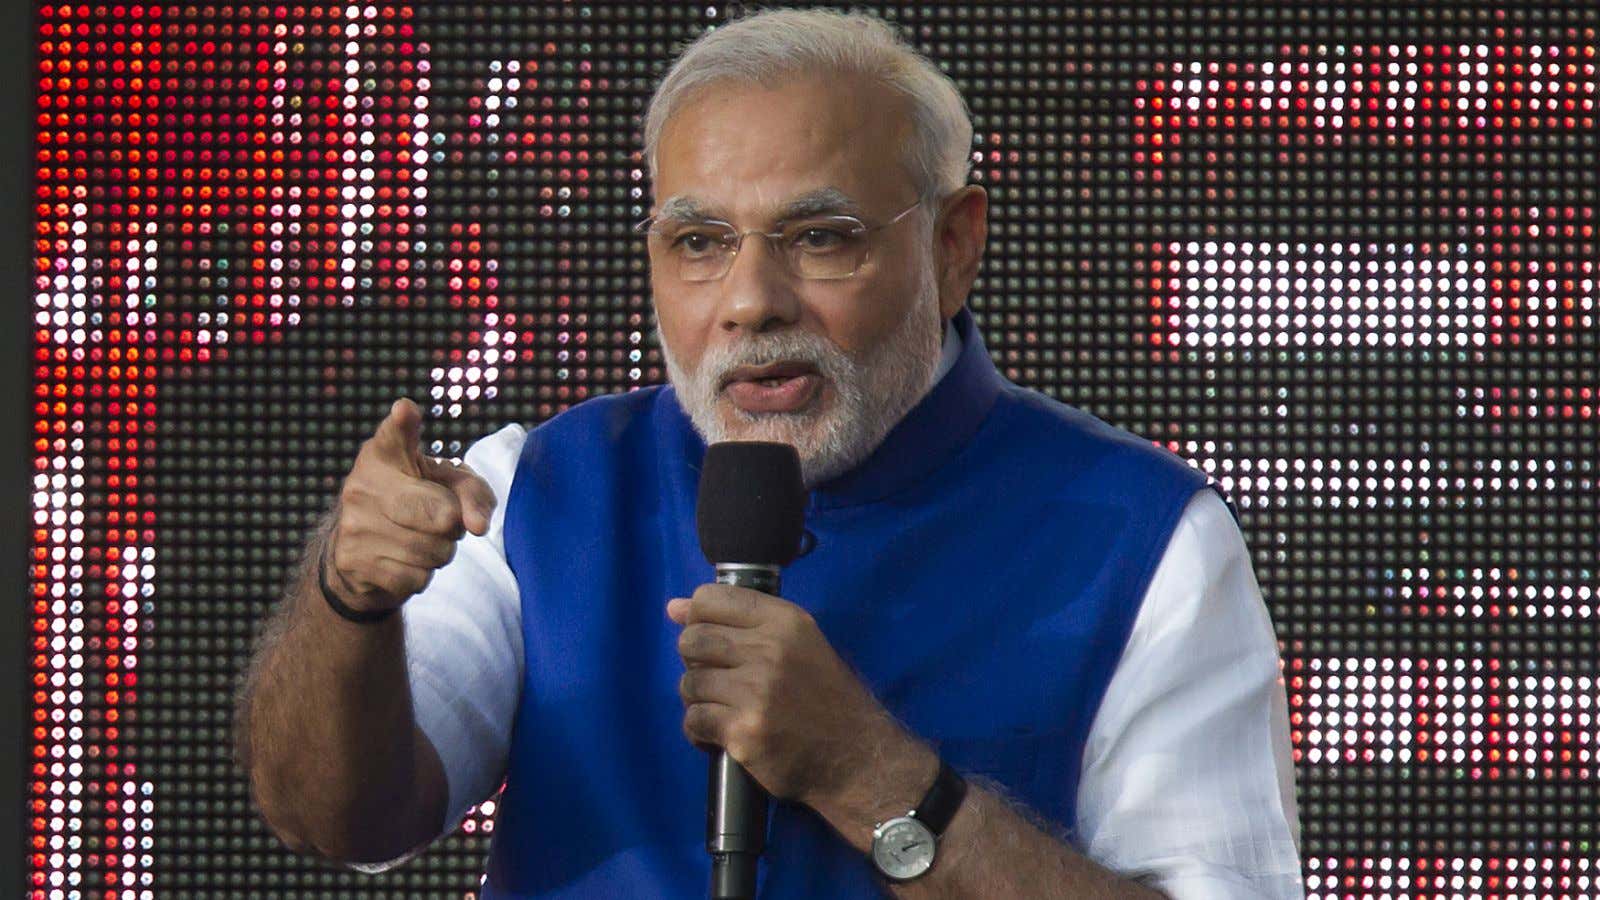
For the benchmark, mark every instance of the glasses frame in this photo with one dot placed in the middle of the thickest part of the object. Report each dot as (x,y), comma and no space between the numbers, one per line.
(647,227)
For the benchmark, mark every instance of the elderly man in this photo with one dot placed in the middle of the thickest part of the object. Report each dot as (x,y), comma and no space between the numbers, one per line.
(1037,635)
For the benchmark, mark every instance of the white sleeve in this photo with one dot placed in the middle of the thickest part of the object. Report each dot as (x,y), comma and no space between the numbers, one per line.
(1187,782)
(463,635)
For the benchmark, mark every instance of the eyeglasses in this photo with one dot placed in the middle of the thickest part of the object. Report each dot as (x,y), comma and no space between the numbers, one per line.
(814,248)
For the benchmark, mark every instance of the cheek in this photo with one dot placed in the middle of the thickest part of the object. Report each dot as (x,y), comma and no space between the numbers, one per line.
(683,335)
(867,316)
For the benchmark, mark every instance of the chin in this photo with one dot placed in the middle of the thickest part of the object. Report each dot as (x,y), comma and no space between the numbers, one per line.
(788,428)
(800,429)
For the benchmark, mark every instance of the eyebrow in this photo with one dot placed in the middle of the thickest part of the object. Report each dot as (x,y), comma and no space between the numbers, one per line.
(822,201)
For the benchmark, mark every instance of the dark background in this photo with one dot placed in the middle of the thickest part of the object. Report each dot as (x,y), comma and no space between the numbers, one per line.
(1406,421)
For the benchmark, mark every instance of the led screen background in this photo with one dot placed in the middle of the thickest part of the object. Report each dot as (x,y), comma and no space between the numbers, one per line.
(1340,257)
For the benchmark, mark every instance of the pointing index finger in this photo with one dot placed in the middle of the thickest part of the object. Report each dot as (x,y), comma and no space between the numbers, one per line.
(399,437)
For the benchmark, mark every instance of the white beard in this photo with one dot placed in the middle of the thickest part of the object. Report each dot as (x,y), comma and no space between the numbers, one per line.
(870,393)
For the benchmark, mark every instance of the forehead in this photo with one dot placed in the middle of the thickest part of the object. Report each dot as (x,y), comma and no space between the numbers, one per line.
(745,152)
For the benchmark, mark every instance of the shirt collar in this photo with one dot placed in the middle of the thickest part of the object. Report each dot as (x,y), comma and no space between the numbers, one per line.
(930,434)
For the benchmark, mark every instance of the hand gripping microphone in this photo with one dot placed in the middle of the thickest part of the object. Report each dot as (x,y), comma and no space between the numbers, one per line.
(750,515)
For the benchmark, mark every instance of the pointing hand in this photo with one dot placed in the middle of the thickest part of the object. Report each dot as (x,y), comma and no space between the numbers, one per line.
(400,515)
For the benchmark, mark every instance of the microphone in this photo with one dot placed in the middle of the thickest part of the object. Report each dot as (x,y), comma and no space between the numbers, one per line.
(750,515)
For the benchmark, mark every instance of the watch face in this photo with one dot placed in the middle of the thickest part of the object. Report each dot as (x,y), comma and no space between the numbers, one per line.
(903,848)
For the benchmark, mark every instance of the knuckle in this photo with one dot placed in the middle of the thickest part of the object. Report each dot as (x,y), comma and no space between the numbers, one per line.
(386,575)
(697,723)
(431,551)
(397,581)
(444,552)
(449,518)
(696,640)
(793,621)
(350,490)
(358,581)
(420,582)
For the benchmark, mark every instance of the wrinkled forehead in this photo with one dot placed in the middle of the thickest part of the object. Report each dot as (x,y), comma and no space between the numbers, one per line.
(750,154)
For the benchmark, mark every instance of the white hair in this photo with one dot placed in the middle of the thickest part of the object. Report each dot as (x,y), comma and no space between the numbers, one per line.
(768,45)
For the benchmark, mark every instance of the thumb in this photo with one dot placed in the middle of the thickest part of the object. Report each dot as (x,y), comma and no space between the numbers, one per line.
(399,437)
(477,498)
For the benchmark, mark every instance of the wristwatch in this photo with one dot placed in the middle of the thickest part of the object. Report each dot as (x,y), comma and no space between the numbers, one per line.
(903,847)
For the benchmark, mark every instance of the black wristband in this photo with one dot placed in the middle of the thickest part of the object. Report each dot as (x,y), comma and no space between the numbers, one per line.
(939,805)
(363,616)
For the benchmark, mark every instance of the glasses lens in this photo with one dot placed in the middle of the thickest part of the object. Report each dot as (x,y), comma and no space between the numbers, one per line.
(823,248)
(696,252)
(817,248)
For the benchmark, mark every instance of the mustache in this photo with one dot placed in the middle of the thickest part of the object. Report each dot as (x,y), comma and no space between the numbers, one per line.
(792,348)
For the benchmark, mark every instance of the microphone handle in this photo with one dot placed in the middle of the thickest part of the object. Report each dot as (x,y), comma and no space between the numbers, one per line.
(736,804)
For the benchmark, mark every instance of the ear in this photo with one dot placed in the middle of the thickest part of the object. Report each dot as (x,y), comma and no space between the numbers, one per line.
(959,233)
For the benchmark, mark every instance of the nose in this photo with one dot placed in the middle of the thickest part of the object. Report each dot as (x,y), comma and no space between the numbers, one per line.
(758,293)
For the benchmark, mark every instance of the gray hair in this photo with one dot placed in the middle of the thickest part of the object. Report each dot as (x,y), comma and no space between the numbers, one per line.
(765,46)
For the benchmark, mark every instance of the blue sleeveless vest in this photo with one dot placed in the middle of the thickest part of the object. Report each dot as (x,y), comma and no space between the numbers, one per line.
(981,570)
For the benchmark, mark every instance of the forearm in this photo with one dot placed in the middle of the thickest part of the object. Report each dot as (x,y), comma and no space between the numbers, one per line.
(990,849)
(324,727)
(994,851)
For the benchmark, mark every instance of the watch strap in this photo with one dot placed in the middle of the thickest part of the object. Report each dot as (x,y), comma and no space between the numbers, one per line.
(939,805)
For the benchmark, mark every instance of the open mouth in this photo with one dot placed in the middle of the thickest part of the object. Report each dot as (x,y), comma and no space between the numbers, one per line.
(779,387)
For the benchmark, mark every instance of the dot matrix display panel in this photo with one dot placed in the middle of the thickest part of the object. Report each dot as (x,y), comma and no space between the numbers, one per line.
(1340,258)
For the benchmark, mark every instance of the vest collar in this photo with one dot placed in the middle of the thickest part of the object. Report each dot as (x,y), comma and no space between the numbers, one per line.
(928,436)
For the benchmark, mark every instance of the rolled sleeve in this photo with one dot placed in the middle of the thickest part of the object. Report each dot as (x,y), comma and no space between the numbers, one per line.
(1188,781)
(463,638)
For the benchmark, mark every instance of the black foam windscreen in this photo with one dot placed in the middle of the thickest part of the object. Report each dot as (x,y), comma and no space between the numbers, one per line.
(751,507)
